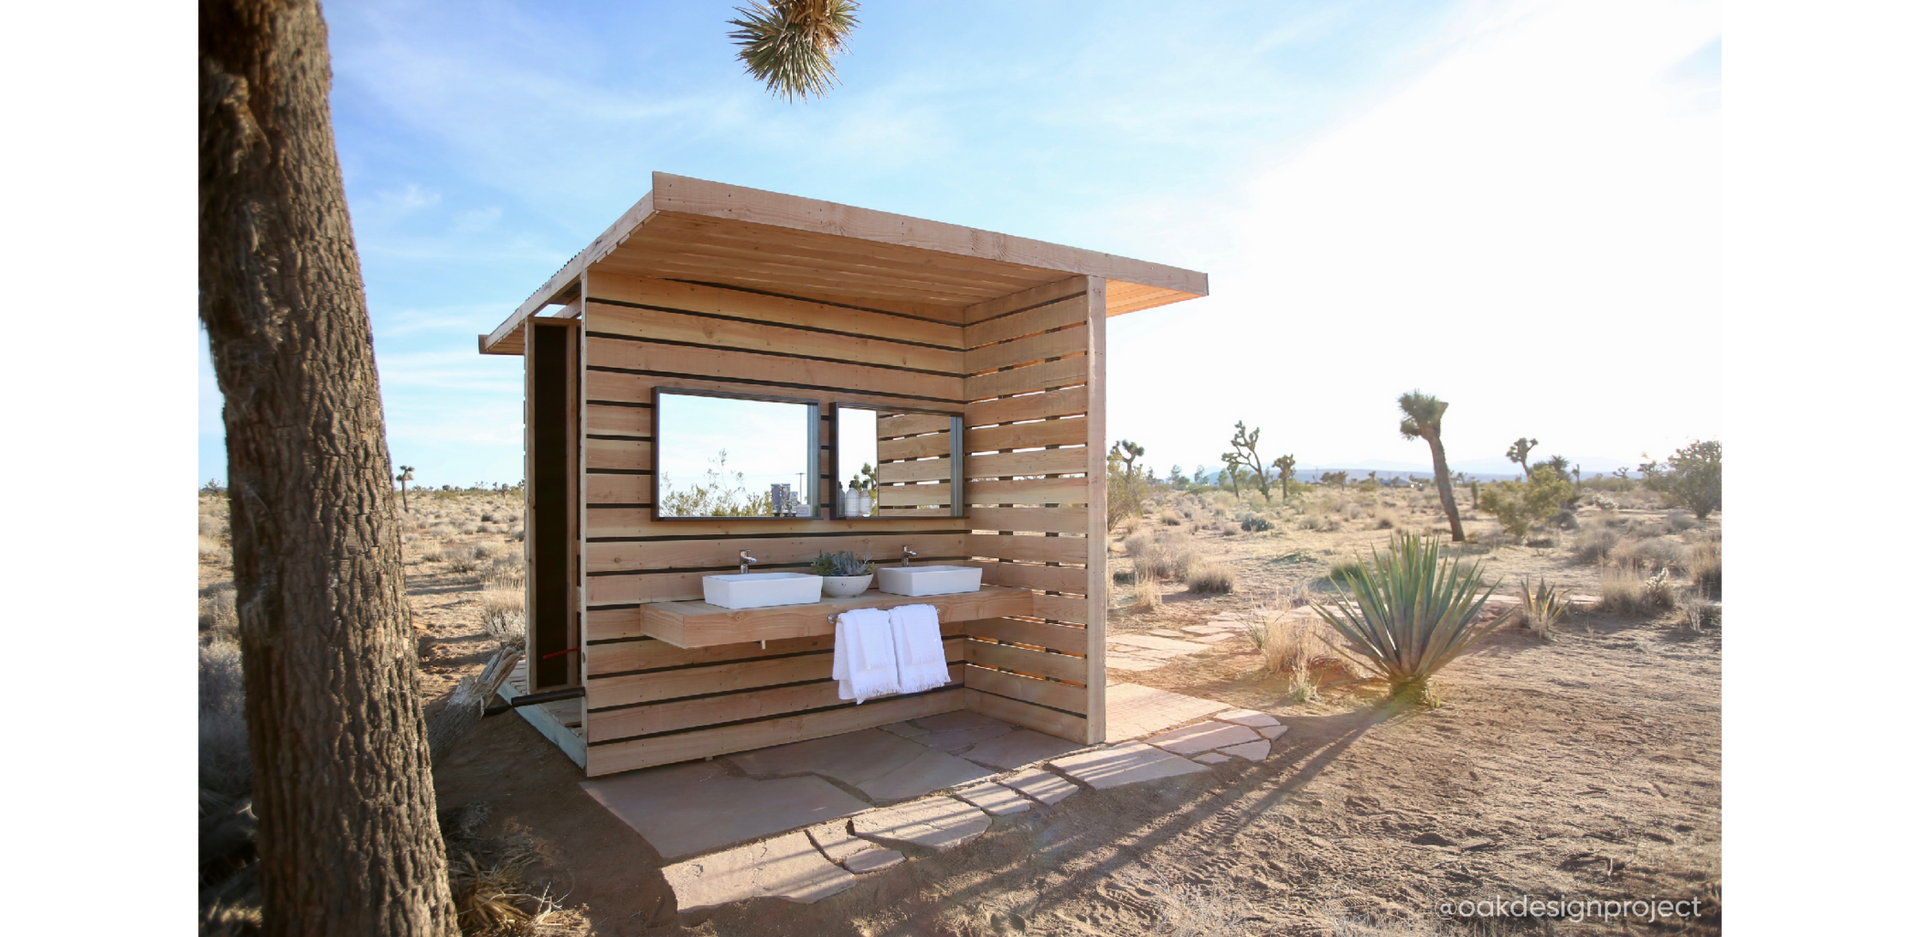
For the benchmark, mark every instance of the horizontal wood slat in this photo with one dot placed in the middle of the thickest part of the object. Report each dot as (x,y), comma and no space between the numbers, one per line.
(1071,432)
(883,547)
(604,420)
(1028,689)
(921,470)
(697,624)
(638,522)
(638,388)
(916,447)
(633,689)
(1033,348)
(1067,401)
(1045,520)
(652,718)
(912,424)
(1030,322)
(619,489)
(619,454)
(693,297)
(998,307)
(1021,660)
(1063,638)
(913,495)
(1039,578)
(758,369)
(1040,719)
(1019,380)
(1028,491)
(1060,608)
(656,325)
(1031,549)
(651,654)
(1032,462)
(666,749)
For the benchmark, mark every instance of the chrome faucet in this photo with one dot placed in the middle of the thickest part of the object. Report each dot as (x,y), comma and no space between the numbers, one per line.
(745,561)
(906,556)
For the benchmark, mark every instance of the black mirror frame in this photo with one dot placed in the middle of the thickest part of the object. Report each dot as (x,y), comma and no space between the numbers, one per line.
(813,454)
(956,451)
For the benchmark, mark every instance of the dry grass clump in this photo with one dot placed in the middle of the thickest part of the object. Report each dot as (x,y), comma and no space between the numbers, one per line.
(1210,577)
(1624,591)
(219,618)
(1166,555)
(1703,563)
(1171,518)
(1290,645)
(488,878)
(1596,547)
(503,614)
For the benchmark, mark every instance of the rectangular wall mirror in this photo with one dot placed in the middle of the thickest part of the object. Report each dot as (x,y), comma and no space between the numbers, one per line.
(721,455)
(894,463)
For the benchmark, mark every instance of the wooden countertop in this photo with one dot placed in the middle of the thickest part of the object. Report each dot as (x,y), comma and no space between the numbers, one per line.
(698,624)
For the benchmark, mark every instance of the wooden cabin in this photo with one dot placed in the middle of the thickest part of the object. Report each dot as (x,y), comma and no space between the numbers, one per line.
(975,365)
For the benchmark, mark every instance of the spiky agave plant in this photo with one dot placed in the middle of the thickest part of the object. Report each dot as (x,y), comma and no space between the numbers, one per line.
(1410,613)
(790,44)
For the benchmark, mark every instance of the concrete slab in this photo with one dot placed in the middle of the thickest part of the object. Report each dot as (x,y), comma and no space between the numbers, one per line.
(785,867)
(881,765)
(1132,664)
(1205,737)
(1042,785)
(958,719)
(1273,732)
(1126,763)
(1155,643)
(954,741)
(905,730)
(1134,710)
(1255,751)
(1212,628)
(939,823)
(873,860)
(1016,749)
(1165,633)
(1210,758)
(995,799)
(687,809)
(1214,639)
(1251,718)
(834,840)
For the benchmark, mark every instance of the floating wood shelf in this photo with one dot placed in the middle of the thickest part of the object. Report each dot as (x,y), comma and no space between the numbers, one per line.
(697,624)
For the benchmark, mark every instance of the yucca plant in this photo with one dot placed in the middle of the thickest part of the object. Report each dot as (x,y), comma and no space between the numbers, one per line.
(1541,607)
(1410,613)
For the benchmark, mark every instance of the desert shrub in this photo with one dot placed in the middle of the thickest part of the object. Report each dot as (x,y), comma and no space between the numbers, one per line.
(1703,564)
(1210,578)
(210,548)
(1340,573)
(1409,613)
(507,572)
(1681,520)
(1255,523)
(1313,522)
(1659,588)
(1656,553)
(1690,478)
(486,551)
(1384,523)
(1605,503)
(1121,577)
(1353,512)
(1288,646)
(1171,518)
(517,534)
(1595,547)
(1541,608)
(1700,614)
(1625,591)
(219,619)
(503,615)
(1522,506)
(1541,542)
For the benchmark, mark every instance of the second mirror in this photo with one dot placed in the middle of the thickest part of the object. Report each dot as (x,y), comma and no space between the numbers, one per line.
(895,463)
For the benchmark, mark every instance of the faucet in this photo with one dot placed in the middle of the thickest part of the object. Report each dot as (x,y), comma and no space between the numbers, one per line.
(745,561)
(906,556)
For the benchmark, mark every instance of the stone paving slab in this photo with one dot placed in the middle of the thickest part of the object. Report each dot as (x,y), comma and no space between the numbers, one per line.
(1251,718)
(1273,732)
(932,822)
(1255,751)
(873,860)
(1210,758)
(1211,629)
(1165,633)
(1126,763)
(1215,638)
(1043,786)
(995,799)
(834,840)
(1134,710)
(687,809)
(1205,737)
(880,764)
(958,719)
(1155,643)
(955,741)
(1017,749)
(1132,664)
(785,867)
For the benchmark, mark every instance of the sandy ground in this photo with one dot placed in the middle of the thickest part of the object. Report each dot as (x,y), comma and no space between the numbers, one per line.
(1585,768)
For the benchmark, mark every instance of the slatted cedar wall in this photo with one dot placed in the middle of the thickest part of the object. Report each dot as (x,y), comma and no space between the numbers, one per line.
(651,703)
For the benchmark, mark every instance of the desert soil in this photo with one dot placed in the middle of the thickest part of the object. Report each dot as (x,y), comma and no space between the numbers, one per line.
(1587,767)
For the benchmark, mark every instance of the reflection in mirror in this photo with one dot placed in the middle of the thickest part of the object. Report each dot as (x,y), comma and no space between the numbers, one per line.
(896,463)
(723,456)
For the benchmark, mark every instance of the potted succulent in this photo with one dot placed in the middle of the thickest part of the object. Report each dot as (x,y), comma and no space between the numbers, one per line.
(846,575)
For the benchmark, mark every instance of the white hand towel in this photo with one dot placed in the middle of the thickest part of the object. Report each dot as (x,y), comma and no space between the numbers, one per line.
(916,641)
(863,655)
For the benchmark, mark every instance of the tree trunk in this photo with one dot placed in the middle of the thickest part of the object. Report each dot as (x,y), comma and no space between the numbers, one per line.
(348,840)
(1444,481)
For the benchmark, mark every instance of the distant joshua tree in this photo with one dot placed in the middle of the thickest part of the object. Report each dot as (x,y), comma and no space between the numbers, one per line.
(1285,464)
(1244,455)
(406,475)
(1518,453)
(1421,420)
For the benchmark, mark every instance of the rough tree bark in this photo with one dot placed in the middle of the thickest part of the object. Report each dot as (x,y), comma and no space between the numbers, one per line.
(348,840)
(1444,481)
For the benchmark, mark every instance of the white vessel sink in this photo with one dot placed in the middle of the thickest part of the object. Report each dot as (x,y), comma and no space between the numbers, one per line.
(759,590)
(929,580)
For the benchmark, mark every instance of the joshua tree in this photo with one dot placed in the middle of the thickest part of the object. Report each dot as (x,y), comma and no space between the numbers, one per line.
(406,475)
(1285,464)
(790,44)
(1126,450)
(347,837)
(1245,454)
(1518,453)
(1420,419)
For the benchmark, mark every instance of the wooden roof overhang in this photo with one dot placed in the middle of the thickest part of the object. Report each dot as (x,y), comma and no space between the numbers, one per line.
(709,232)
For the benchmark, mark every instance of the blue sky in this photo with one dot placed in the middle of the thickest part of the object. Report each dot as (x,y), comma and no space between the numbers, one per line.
(1512,205)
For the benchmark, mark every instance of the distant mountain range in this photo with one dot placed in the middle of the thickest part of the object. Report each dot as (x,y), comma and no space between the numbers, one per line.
(1486,470)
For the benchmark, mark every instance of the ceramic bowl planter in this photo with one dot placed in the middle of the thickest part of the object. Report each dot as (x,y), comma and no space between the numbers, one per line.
(844,587)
